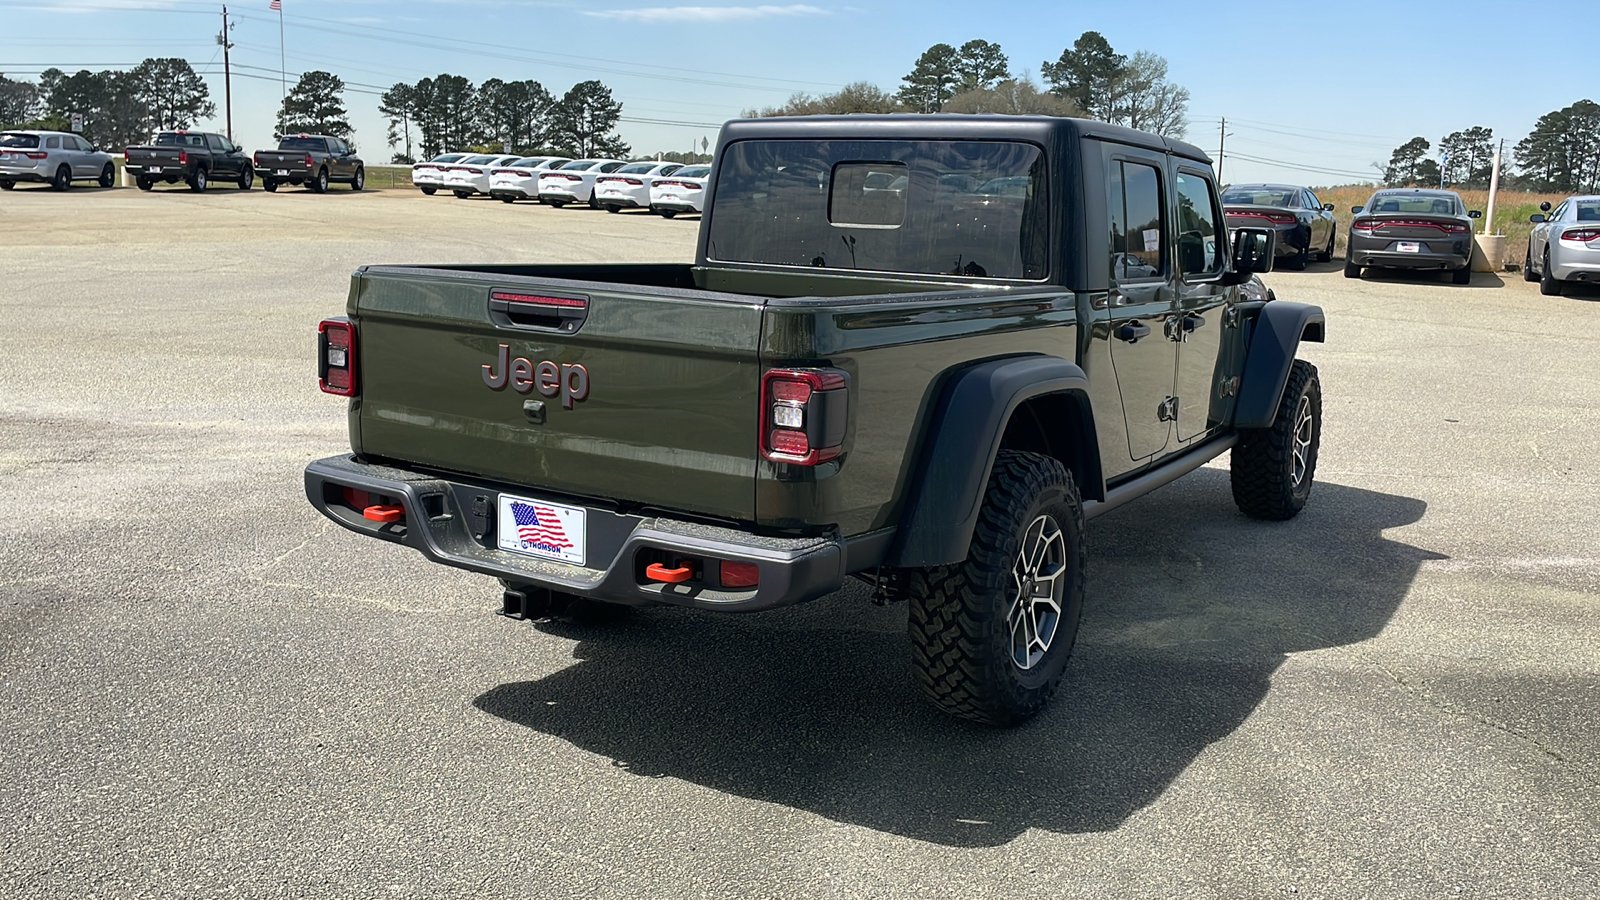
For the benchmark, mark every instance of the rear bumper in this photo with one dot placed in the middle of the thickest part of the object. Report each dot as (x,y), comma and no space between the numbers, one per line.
(1570,261)
(452,522)
(500,191)
(17,173)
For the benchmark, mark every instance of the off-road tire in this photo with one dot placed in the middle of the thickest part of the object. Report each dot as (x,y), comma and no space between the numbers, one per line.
(1327,255)
(360,181)
(430,191)
(1549,285)
(145,182)
(962,646)
(1462,275)
(1528,274)
(1351,270)
(1273,469)
(199,180)
(108,176)
(63,179)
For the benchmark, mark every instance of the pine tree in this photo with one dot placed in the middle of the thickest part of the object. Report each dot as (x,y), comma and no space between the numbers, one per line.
(315,107)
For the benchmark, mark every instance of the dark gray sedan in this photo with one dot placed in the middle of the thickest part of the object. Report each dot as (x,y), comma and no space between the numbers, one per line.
(1412,228)
(1304,224)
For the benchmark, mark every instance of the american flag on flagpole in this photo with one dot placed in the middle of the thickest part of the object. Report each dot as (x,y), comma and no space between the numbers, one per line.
(276,5)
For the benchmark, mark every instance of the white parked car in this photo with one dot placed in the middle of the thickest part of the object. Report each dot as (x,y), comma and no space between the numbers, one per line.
(574,182)
(55,158)
(629,186)
(469,176)
(684,191)
(429,174)
(1564,244)
(519,180)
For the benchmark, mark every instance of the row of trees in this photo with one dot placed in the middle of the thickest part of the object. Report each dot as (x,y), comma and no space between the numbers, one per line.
(118,107)
(448,112)
(1089,79)
(1560,155)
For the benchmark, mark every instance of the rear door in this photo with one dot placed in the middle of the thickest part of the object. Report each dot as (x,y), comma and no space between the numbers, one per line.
(1197,325)
(642,396)
(1141,297)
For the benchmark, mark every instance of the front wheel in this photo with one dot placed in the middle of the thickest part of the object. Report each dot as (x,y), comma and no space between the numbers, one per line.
(63,179)
(990,636)
(108,176)
(360,181)
(1272,469)
(1548,285)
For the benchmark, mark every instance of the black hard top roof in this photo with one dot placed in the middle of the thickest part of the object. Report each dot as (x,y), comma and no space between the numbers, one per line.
(916,126)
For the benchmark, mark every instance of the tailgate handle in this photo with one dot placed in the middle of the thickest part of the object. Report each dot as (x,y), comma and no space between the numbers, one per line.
(544,312)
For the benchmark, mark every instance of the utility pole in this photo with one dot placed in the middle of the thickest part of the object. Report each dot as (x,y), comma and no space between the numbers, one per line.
(1222,144)
(227,72)
(1494,185)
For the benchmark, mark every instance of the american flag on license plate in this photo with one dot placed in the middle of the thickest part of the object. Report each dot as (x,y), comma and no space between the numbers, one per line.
(540,526)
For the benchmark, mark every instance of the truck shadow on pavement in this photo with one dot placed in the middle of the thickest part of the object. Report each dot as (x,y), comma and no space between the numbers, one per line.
(1192,608)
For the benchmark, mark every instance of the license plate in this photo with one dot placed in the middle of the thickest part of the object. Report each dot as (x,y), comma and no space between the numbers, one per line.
(670,197)
(281,172)
(546,530)
(1408,247)
(155,168)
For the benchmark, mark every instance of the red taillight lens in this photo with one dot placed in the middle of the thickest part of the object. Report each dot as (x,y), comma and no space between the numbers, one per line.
(1580,234)
(804,415)
(125,156)
(633,181)
(740,575)
(309,161)
(183,157)
(336,356)
(1366,225)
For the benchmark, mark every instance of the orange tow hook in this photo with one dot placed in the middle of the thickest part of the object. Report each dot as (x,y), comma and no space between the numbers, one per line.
(658,572)
(384,513)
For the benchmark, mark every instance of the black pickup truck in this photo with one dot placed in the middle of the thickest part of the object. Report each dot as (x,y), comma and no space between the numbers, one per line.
(314,160)
(917,350)
(196,157)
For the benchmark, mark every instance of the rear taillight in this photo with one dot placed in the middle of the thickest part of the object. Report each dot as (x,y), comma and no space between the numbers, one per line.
(256,161)
(336,356)
(633,181)
(1580,234)
(183,157)
(474,171)
(125,156)
(505,172)
(1367,225)
(803,415)
(309,162)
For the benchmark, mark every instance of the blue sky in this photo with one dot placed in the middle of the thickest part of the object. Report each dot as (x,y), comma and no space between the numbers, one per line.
(1330,89)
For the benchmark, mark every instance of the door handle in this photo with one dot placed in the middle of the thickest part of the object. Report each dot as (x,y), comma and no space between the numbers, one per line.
(1132,331)
(1190,323)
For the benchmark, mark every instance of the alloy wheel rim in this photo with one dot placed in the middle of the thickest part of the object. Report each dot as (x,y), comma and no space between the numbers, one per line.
(1302,439)
(1039,579)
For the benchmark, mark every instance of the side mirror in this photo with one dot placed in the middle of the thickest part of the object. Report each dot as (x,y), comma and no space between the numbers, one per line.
(1536,218)
(1356,209)
(1545,206)
(1474,214)
(1328,207)
(1253,250)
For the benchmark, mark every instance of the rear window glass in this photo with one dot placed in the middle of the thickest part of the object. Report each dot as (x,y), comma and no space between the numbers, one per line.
(978,209)
(447,157)
(1588,211)
(1258,197)
(172,139)
(692,172)
(476,160)
(19,141)
(1430,204)
(637,168)
(528,162)
(579,166)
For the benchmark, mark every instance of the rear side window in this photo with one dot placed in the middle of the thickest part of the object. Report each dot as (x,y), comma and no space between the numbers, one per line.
(1199,251)
(15,141)
(52,143)
(1138,248)
(884,206)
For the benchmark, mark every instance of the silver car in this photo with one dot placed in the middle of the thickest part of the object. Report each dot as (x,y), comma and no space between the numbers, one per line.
(1564,244)
(55,158)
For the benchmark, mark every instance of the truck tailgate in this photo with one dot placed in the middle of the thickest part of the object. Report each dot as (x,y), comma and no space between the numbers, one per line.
(650,395)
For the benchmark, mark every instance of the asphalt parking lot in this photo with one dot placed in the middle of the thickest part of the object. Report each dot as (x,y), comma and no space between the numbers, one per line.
(211,691)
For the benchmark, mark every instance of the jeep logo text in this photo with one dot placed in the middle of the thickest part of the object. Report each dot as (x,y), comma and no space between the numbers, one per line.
(571,381)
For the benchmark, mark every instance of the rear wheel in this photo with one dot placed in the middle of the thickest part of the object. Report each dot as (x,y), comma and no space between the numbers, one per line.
(1272,468)
(508,199)
(1527,265)
(268,185)
(320,184)
(7,185)
(613,208)
(1327,255)
(197,181)
(1299,260)
(247,178)
(145,182)
(558,203)
(63,179)
(360,181)
(462,195)
(108,176)
(1351,270)
(668,213)
(990,636)
(1462,275)
(430,191)
(1548,285)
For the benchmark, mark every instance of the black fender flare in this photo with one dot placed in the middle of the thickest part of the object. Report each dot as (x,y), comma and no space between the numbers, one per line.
(1279,328)
(957,453)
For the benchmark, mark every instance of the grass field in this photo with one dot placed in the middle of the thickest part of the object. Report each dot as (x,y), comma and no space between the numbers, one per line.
(1511,212)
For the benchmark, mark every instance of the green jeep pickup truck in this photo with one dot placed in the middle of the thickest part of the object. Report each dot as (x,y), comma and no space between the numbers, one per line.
(918,350)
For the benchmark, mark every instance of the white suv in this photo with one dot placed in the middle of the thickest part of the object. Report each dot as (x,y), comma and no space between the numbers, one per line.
(55,158)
